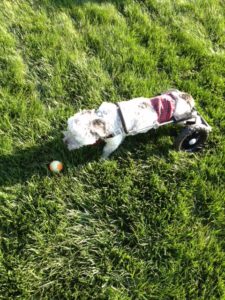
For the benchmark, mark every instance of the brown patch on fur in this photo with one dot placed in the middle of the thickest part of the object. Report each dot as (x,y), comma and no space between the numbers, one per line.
(98,127)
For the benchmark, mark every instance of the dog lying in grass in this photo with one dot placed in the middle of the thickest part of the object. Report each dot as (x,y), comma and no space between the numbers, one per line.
(112,122)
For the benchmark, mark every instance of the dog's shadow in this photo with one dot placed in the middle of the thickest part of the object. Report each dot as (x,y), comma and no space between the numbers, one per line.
(155,142)
(22,164)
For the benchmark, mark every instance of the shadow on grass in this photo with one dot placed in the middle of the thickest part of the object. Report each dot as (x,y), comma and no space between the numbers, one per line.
(154,142)
(25,163)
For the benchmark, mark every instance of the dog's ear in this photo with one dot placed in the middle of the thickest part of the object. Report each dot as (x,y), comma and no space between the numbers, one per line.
(98,127)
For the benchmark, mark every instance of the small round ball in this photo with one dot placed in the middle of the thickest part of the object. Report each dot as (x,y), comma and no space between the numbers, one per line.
(56,166)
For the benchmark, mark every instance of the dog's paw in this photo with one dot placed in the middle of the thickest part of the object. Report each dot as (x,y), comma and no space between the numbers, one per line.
(103,158)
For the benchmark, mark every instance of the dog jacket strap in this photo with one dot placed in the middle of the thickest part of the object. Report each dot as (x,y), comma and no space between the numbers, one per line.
(122,118)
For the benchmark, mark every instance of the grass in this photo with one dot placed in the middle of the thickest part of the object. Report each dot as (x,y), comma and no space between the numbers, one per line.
(147,224)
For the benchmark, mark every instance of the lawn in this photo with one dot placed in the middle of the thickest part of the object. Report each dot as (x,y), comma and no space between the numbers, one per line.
(149,223)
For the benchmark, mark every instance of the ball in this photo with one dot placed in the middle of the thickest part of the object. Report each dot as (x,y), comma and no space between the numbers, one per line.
(56,166)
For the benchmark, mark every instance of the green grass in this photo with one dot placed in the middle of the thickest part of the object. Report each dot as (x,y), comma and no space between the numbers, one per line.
(147,224)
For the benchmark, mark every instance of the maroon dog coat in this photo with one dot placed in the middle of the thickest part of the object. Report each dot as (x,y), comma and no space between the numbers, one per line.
(164,105)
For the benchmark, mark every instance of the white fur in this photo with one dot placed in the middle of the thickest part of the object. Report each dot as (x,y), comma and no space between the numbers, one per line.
(88,126)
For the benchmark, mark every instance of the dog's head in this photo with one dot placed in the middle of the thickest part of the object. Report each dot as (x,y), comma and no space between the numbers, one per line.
(84,128)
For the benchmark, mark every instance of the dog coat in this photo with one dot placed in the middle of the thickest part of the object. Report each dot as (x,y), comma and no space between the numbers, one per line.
(139,114)
(164,105)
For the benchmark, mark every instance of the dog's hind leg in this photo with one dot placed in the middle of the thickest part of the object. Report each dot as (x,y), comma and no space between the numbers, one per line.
(111,145)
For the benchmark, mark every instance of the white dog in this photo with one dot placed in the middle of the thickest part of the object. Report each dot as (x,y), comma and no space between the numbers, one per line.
(113,122)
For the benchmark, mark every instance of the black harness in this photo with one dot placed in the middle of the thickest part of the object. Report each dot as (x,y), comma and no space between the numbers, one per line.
(121,118)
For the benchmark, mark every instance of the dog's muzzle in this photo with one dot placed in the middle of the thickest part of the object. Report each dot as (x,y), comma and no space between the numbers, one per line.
(71,145)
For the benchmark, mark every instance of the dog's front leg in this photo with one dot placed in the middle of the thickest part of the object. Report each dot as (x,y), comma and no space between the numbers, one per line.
(111,145)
